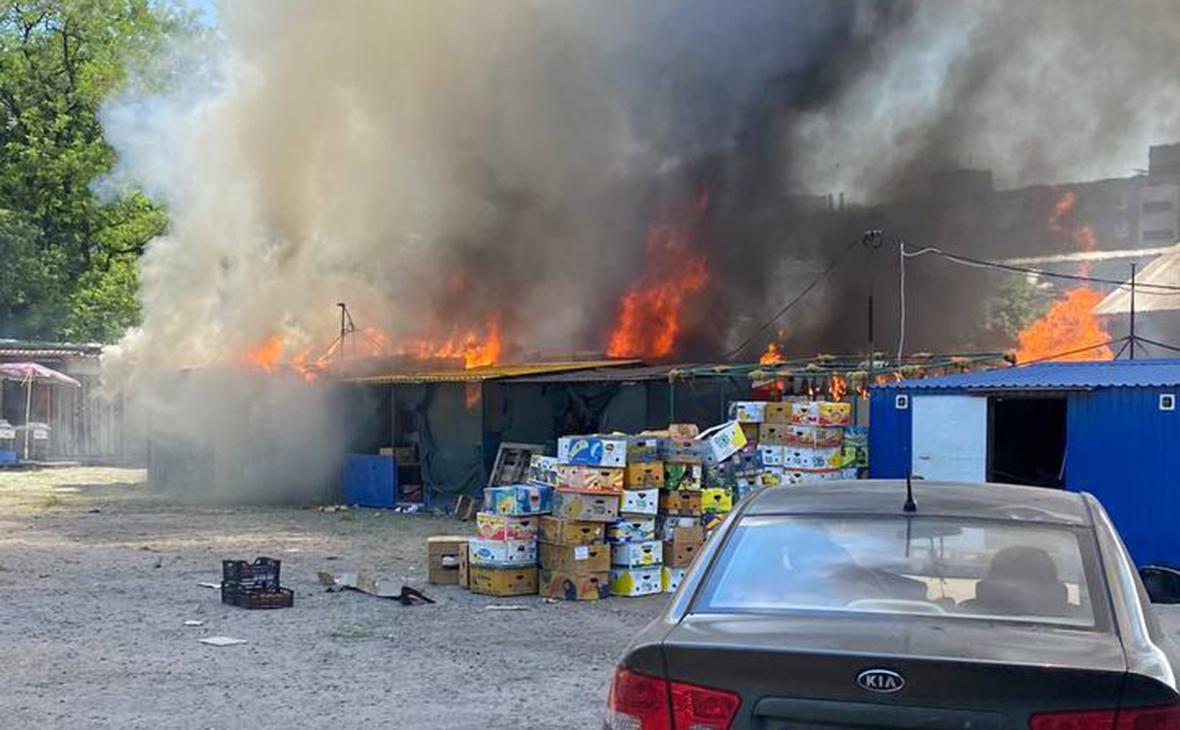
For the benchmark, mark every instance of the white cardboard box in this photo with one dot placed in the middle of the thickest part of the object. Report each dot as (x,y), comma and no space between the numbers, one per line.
(502,552)
(635,581)
(670,578)
(639,502)
(637,554)
(771,455)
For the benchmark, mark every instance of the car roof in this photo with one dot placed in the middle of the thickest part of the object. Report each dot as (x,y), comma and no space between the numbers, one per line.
(938,499)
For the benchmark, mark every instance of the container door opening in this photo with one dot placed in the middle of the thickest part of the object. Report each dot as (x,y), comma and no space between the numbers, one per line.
(1027,442)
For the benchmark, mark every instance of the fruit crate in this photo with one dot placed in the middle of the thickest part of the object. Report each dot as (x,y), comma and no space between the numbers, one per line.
(262,573)
(256,598)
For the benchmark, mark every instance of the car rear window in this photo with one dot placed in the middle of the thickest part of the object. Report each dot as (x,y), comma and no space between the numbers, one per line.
(971,569)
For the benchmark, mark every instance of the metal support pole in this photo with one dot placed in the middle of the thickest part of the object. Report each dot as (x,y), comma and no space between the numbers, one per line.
(343,327)
(28,414)
(1132,340)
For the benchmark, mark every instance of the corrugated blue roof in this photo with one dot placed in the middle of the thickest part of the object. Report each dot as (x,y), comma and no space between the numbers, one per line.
(1058,375)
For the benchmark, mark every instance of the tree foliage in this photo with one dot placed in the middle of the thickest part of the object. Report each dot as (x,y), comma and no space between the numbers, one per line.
(1017,304)
(67,257)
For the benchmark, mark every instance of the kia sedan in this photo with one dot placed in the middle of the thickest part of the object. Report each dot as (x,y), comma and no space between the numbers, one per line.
(849,606)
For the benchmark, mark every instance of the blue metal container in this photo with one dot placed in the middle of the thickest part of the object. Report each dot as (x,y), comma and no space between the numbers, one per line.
(370,481)
(1122,437)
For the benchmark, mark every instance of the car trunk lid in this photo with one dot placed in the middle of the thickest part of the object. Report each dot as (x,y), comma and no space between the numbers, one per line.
(882,672)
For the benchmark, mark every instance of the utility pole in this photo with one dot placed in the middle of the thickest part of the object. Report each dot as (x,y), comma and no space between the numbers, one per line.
(872,241)
(1132,338)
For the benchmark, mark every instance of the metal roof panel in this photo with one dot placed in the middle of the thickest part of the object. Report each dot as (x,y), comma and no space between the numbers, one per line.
(1057,376)
(491,372)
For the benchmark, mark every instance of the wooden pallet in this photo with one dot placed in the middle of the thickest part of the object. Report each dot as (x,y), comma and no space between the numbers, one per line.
(512,463)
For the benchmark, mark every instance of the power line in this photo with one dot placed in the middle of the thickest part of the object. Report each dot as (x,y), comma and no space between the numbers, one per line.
(984,264)
(798,298)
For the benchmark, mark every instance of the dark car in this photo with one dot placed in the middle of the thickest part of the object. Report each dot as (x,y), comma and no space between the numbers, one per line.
(827,607)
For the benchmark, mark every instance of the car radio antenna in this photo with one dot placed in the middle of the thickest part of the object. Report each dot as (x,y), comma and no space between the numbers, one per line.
(910,505)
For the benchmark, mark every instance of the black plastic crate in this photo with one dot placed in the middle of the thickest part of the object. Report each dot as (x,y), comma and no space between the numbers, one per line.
(256,598)
(262,573)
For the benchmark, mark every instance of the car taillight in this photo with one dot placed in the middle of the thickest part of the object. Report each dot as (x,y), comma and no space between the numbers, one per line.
(700,708)
(1149,718)
(1084,720)
(1130,718)
(639,702)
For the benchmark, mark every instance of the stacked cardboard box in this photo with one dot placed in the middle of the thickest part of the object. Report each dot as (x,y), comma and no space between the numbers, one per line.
(588,476)
(798,442)
(502,560)
(691,472)
(636,554)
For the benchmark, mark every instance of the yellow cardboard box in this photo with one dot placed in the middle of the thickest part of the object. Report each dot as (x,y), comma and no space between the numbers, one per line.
(575,559)
(503,581)
(574,587)
(644,475)
(716,500)
(557,531)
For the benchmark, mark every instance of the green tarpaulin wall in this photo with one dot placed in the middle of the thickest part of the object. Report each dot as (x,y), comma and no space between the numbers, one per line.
(460,426)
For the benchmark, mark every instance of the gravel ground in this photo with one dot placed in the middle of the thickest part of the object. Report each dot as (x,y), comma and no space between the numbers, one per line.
(98,576)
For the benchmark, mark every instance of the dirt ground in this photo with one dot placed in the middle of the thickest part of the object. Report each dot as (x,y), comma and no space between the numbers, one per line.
(98,576)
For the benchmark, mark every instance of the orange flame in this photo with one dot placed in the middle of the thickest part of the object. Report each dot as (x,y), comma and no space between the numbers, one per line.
(265,356)
(475,349)
(837,388)
(649,319)
(1069,326)
(772,355)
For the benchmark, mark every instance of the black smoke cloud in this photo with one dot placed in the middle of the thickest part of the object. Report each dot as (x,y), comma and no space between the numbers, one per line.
(440,165)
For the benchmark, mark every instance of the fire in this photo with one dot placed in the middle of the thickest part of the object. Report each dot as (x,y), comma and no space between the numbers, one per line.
(265,356)
(772,355)
(649,316)
(837,388)
(1069,327)
(475,348)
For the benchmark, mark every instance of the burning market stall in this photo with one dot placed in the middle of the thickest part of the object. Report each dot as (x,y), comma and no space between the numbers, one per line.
(452,420)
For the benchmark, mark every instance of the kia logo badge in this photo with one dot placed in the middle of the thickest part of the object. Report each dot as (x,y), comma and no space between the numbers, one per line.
(880,680)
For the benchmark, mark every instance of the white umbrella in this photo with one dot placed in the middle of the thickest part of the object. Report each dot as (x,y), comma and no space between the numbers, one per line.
(29,373)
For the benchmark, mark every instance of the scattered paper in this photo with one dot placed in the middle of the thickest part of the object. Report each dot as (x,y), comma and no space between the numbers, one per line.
(215,586)
(222,641)
(194,622)
(500,607)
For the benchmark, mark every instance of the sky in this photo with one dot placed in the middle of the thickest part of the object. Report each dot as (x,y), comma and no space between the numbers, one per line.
(207,7)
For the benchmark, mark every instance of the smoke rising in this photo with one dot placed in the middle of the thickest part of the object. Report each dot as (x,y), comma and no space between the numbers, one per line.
(374,153)
(441,165)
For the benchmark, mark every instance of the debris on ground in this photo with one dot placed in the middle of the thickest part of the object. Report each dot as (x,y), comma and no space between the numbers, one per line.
(329,508)
(222,641)
(505,607)
(194,622)
(206,584)
(372,585)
